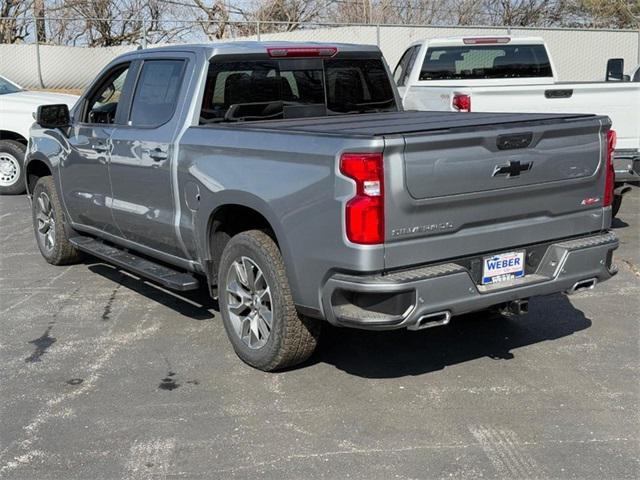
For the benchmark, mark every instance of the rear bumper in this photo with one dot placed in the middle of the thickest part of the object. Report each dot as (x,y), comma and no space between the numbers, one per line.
(403,299)
(626,164)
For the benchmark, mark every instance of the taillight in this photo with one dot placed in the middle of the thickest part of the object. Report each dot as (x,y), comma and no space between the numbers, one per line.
(364,213)
(609,172)
(461,102)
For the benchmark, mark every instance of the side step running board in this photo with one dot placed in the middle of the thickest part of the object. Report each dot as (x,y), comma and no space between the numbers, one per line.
(165,276)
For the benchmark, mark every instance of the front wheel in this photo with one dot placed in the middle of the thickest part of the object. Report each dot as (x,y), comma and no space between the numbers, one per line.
(257,308)
(12,167)
(48,224)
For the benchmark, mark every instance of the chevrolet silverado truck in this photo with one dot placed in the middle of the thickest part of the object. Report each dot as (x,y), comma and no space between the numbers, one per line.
(517,74)
(17,107)
(287,179)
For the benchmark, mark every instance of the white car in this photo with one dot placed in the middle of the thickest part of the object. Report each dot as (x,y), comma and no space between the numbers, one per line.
(516,74)
(16,116)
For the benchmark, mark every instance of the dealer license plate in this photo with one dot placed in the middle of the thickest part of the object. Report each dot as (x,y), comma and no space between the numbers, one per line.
(503,267)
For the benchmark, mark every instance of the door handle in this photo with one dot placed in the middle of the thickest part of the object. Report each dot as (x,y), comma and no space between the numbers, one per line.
(565,93)
(157,154)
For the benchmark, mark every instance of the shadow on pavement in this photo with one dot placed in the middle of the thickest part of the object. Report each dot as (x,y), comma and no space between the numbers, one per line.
(398,353)
(196,304)
(617,223)
(401,353)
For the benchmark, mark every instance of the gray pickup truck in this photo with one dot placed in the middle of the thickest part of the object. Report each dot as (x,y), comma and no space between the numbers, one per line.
(287,178)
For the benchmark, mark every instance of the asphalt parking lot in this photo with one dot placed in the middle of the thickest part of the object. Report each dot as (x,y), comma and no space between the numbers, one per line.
(105,376)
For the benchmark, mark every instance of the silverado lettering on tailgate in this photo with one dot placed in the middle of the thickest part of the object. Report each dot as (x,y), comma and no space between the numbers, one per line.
(433,228)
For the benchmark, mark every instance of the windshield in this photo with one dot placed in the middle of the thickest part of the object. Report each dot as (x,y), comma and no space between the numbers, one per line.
(307,87)
(8,87)
(485,61)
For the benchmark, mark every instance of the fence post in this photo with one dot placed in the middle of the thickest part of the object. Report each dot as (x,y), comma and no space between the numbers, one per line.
(378,35)
(258,29)
(144,34)
(38,63)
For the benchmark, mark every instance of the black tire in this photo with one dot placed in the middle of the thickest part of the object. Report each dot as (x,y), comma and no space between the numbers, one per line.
(615,206)
(12,177)
(292,337)
(59,251)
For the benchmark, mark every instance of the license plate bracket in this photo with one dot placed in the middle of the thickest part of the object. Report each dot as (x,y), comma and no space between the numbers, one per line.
(502,267)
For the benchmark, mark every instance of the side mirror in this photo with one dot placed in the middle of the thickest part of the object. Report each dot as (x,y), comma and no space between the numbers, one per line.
(53,116)
(615,70)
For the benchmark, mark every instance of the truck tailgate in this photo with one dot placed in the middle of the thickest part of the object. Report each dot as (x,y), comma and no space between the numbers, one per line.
(620,101)
(468,190)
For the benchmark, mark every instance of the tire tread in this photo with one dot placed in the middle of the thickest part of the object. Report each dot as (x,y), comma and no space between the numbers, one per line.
(300,336)
(64,253)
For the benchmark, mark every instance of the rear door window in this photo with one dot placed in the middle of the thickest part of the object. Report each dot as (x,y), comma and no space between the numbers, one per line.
(156,93)
(485,61)
(291,88)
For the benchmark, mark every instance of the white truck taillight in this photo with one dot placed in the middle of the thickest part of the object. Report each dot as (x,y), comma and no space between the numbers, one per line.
(364,213)
(609,171)
(461,102)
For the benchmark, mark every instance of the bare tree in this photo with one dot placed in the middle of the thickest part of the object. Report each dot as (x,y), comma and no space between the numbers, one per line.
(524,13)
(38,13)
(215,17)
(604,13)
(290,14)
(114,22)
(14,20)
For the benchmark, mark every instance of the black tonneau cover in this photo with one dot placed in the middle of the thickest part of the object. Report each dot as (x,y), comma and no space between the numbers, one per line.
(390,123)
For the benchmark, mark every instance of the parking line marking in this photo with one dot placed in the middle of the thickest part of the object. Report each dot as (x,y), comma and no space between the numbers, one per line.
(30,296)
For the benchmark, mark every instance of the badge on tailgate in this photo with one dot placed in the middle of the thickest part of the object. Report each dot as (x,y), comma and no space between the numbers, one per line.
(502,267)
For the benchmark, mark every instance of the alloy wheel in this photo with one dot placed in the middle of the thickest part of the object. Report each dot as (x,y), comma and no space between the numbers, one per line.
(249,302)
(46,220)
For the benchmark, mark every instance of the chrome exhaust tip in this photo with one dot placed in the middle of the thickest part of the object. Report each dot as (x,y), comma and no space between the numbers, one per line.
(588,284)
(431,320)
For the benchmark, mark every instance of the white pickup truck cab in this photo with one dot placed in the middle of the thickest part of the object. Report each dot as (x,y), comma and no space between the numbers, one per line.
(516,74)
(17,107)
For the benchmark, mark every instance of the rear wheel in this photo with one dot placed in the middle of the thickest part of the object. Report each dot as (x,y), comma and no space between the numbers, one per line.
(257,308)
(615,206)
(11,167)
(48,224)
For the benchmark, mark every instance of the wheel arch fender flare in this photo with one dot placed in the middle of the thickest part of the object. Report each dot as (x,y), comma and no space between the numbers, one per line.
(210,205)
(33,165)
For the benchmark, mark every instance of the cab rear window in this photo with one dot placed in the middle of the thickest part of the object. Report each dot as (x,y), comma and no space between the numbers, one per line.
(290,88)
(485,61)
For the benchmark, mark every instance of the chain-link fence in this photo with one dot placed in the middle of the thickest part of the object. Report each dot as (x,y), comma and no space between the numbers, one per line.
(68,59)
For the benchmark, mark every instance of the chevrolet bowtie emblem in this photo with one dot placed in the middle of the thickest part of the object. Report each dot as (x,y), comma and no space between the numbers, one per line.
(512,169)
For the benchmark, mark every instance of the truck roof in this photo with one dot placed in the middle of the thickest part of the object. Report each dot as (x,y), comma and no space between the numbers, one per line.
(250,47)
(460,40)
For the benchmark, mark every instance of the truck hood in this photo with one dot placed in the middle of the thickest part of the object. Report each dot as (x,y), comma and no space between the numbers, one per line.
(31,100)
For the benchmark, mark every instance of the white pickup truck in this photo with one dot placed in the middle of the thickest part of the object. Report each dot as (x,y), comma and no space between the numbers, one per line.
(516,74)
(17,107)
